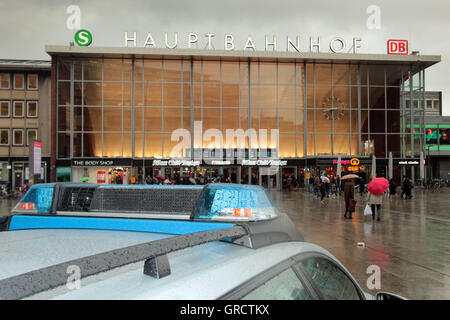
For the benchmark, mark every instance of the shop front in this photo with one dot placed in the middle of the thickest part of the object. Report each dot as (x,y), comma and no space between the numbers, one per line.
(103,171)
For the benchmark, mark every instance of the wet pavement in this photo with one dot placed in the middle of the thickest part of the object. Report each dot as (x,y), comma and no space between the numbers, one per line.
(410,245)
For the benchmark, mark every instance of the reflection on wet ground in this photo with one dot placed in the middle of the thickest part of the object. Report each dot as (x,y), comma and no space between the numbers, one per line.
(411,243)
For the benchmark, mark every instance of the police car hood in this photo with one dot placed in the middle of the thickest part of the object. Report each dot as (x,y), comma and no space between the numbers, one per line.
(27,250)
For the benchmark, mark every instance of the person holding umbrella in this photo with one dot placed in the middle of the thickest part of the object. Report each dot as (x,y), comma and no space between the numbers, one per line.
(376,189)
(349,194)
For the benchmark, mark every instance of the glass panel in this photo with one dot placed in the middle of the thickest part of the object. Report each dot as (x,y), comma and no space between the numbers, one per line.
(32,81)
(341,144)
(377,121)
(152,70)
(197,95)
(243,72)
(186,66)
(299,120)
(77,144)
(377,98)
(230,119)
(18,137)
(300,74)
(32,109)
(310,145)
(19,109)
(243,119)
(172,119)
(172,95)
(323,97)
(127,145)
(92,119)
(153,119)
(139,94)
(286,96)
(92,69)
(323,73)
(4,108)
(19,81)
(376,75)
(286,120)
(64,93)
(169,147)
(127,119)
(93,93)
(211,95)
(63,118)
(211,118)
(77,94)
(63,145)
(230,95)
(113,69)
(332,283)
(112,119)
(197,68)
(172,70)
(286,73)
(287,146)
(254,72)
(127,68)
(300,146)
(112,145)
(138,119)
(112,94)
(323,144)
(380,145)
(268,72)
(340,74)
(153,94)
(268,119)
(393,120)
(127,94)
(300,92)
(138,145)
(92,145)
(243,96)
(267,96)
(393,145)
(323,120)
(138,70)
(77,118)
(310,124)
(187,118)
(230,71)
(284,286)
(153,145)
(4,137)
(211,71)
(63,70)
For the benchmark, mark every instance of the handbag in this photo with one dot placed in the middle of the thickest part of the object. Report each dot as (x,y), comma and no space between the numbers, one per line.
(368,210)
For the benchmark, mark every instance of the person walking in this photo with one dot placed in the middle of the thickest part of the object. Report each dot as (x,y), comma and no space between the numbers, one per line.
(406,188)
(323,190)
(375,201)
(311,184)
(362,187)
(349,195)
(316,186)
(392,188)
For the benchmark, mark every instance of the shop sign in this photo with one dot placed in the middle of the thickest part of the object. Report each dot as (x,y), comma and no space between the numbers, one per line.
(101,162)
(176,163)
(397,47)
(407,162)
(264,162)
(353,162)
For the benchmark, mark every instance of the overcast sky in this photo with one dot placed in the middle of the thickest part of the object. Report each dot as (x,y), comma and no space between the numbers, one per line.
(26,26)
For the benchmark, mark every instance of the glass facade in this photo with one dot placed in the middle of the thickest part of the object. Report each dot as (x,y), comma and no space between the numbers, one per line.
(129,107)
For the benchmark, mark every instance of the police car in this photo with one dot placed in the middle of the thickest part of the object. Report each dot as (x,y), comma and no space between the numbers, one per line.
(219,241)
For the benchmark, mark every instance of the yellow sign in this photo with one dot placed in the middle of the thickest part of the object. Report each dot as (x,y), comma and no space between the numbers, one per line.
(354,162)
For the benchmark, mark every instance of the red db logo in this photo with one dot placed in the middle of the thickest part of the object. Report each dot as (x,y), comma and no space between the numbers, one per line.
(397,46)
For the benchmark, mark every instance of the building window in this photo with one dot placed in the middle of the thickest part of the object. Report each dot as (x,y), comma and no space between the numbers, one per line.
(18,137)
(32,82)
(4,109)
(5,81)
(19,81)
(4,137)
(429,104)
(32,109)
(18,109)
(31,135)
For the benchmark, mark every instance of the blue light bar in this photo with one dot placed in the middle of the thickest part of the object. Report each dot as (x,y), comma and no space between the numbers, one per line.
(234,202)
(38,199)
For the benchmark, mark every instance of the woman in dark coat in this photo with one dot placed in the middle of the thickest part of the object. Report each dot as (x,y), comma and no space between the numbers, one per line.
(349,195)
(392,188)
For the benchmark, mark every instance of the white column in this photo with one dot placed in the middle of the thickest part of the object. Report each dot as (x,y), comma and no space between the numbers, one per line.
(390,166)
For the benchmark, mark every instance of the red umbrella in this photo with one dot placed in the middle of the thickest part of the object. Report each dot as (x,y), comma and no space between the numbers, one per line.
(378,185)
(160,177)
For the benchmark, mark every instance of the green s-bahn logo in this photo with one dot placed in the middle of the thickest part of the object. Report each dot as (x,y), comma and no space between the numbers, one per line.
(83,38)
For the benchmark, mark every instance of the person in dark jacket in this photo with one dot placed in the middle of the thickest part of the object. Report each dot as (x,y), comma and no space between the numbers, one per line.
(349,195)
(392,188)
(406,188)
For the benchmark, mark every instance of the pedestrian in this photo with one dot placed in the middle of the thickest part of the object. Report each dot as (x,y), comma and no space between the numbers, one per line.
(323,190)
(375,201)
(349,196)
(362,187)
(311,184)
(316,186)
(406,188)
(392,188)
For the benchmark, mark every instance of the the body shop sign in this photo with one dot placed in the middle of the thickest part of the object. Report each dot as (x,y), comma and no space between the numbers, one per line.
(37,156)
